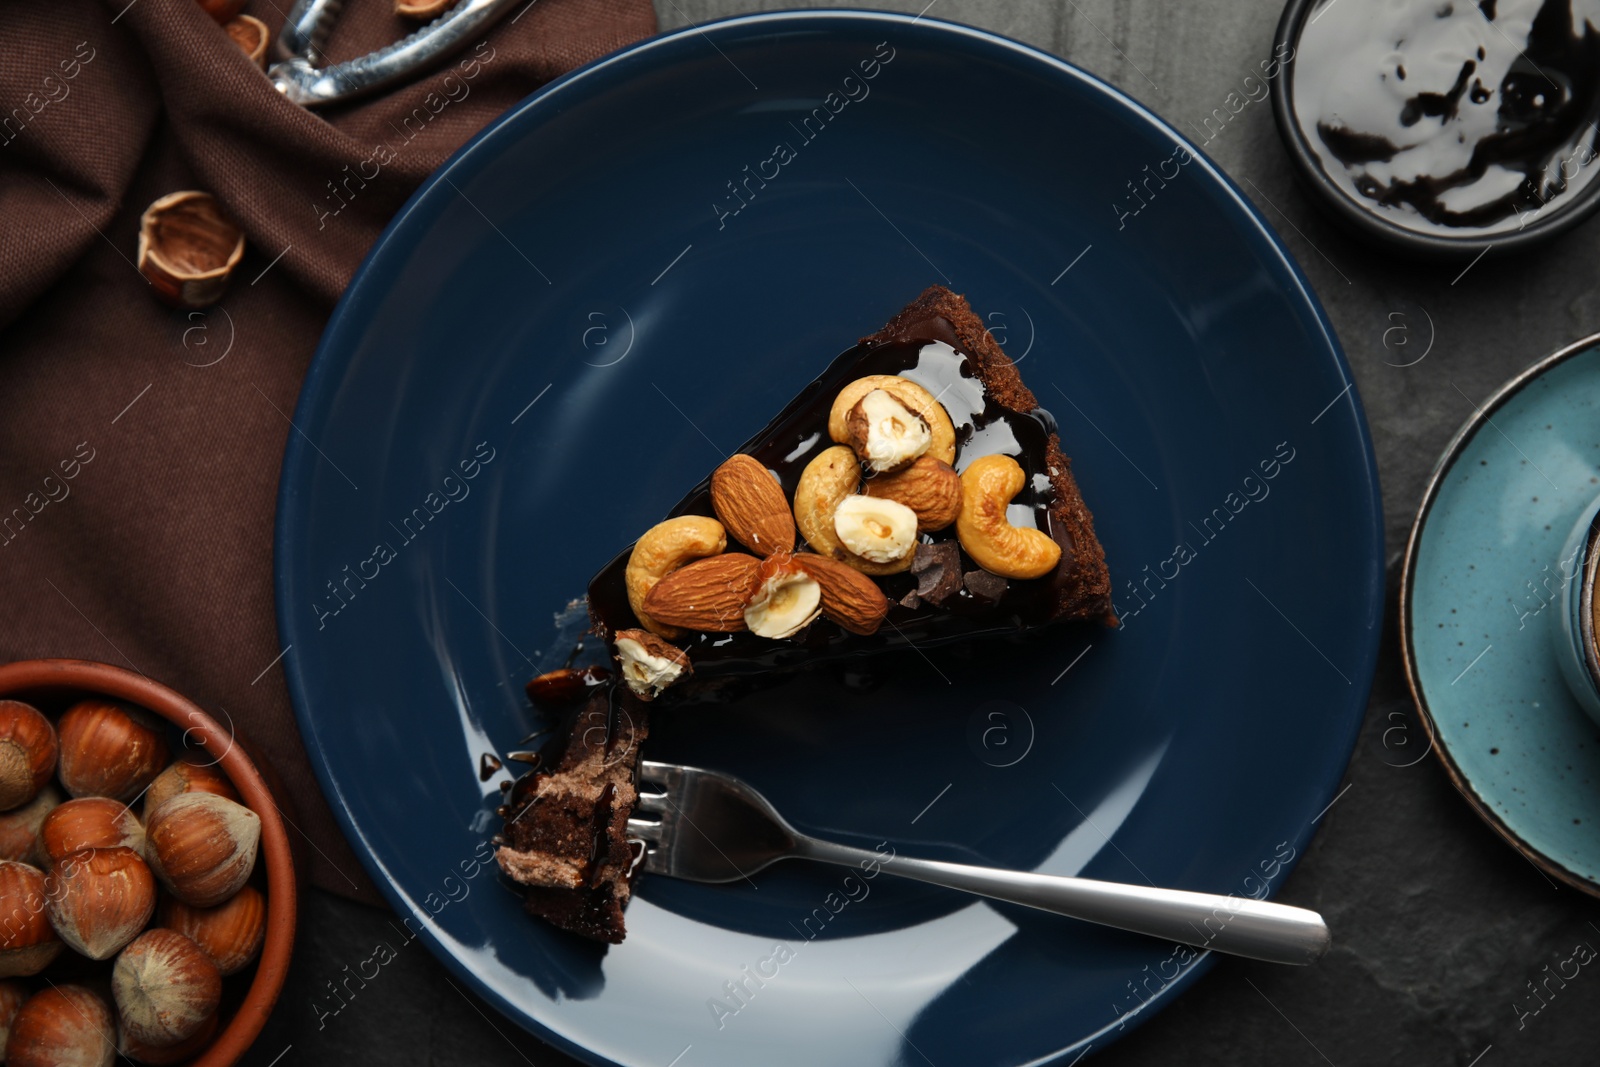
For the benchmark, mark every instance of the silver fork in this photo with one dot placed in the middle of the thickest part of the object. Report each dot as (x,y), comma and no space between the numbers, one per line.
(712,827)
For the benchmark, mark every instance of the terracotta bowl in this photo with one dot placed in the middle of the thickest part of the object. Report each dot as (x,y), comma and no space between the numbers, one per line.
(54,678)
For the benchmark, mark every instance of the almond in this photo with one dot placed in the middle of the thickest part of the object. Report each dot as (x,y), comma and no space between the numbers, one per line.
(707,595)
(751,504)
(849,597)
(929,487)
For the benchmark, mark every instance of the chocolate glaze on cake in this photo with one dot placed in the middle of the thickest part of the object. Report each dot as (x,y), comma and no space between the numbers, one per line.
(940,343)
(566,822)
(565,836)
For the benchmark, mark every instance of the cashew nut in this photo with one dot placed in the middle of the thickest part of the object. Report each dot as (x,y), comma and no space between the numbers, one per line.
(987,486)
(664,548)
(908,393)
(832,475)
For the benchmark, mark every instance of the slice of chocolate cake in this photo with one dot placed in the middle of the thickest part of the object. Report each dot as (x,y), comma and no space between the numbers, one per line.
(566,822)
(932,501)
(914,494)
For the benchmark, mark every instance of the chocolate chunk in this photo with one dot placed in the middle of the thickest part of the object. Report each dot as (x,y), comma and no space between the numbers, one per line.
(938,571)
(984,586)
(911,600)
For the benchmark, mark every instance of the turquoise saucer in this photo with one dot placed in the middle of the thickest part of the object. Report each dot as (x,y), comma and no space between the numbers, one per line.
(1481,593)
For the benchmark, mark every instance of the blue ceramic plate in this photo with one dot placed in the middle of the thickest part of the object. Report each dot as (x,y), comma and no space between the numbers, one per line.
(1481,594)
(576,317)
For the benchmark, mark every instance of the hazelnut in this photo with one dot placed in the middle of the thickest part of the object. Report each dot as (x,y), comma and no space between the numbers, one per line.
(250,34)
(188,248)
(110,749)
(27,753)
(887,435)
(165,987)
(99,899)
(19,828)
(88,822)
(62,1026)
(27,941)
(162,1055)
(785,601)
(913,397)
(649,664)
(230,933)
(12,994)
(877,530)
(187,775)
(202,847)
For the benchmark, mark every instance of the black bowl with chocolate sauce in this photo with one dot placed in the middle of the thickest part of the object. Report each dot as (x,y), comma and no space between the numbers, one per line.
(1443,128)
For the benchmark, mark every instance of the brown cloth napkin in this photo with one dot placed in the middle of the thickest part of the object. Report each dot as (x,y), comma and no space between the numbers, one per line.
(155,551)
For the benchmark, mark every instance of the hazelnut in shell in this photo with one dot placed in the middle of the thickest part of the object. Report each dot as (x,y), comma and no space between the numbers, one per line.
(99,899)
(202,847)
(27,940)
(19,827)
(165,987)
(187,775)
(27,753)
(62,1026)
(230,933)
(88,822)
(188,249)
(110,749)
(163,1055)
(12,995)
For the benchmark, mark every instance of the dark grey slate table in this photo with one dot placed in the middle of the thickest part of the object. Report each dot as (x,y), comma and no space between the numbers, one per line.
(1438,925)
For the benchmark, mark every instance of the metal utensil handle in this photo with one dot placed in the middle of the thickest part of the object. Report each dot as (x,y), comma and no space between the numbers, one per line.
(1243,926)
(301,80)
(306,29)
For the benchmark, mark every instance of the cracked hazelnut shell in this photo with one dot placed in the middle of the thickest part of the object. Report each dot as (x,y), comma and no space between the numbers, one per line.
(250,34)
(188,249)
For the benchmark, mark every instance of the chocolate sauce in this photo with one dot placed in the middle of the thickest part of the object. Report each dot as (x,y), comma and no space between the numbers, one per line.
(567,685)
(1453,117)
(562,738)
(600,851)
(928,353)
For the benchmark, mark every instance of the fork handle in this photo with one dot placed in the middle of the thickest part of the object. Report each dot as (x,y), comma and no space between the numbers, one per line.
(1241,926)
